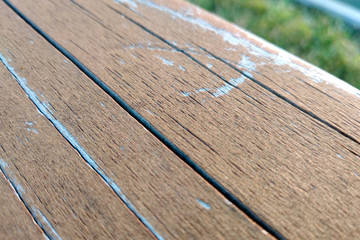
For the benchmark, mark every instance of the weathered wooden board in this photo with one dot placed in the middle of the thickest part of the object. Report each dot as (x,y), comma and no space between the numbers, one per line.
(311,88)
(297,173)
(177,202)
(16,222)
(63,194)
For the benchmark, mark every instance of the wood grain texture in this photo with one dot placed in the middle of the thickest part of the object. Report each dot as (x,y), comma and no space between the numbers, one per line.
(172,197)
(311,88)
(53,179)
(295,172)
(16,222)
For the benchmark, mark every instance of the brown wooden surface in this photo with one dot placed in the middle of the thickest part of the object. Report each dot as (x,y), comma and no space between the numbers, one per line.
(310,87)
(297,173)
(300,174)
(16,222)
(173,198)
(53,178)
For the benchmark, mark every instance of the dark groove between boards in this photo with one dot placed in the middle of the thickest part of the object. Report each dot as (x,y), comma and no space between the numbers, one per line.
(83,69)
(307,112)
(212,181)
(287,100)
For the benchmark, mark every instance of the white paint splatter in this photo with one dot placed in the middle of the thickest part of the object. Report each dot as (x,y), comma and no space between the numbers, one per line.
(148,47)
(182,68)
(229,86)
(150,112)
(167,62)
(246,63)
(203,204)
(186,94)
(32,130)
(228,202)
(71,139)
(283,58)
(227,36)
(248,74)
(129,2)
(202,90)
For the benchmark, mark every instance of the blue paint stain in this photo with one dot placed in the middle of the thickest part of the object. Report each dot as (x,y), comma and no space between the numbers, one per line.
(40,215)
(48,106)
(39,218)
(247,63)
(167,62)
(186,94)
(202,90)
(150,112)
(66,134)
(182,68)
(32,130)
(129,2)
(203,204)
(227,36)
(229,86)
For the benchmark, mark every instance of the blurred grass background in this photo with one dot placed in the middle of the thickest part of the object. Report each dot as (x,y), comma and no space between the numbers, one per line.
(325,41)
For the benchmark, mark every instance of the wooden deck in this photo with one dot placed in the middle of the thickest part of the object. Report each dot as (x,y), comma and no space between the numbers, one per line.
(139,119)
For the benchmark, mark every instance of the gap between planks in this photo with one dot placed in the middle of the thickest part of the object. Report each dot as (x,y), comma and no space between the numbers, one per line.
(212,181)
(200,202)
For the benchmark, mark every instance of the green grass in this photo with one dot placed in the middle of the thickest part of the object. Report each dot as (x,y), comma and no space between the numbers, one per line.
(310,34)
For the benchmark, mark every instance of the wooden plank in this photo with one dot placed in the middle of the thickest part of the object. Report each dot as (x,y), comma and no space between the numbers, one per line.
(171,196)
(297,173)
(309,87)
(64,196)
(16,222)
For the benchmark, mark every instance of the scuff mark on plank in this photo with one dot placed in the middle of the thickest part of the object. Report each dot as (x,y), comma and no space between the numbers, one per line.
(67,135)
